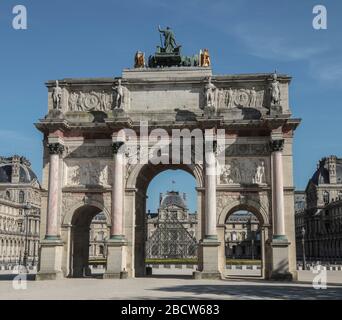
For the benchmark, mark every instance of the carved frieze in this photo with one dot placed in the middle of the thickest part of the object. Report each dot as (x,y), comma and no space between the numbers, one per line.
(88,173)
(90,101)
(89,151)
(248,149)
(233,98)
(244,171)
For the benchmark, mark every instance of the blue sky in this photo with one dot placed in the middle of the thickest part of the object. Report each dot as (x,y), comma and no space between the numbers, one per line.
(99,38)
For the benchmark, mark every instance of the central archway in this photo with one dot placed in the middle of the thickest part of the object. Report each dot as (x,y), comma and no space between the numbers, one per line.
(136,191)
(79,250)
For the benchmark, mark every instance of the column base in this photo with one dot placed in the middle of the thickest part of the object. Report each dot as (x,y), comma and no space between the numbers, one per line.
(280,259)
(200,275)
(209,264)
(49,276)
(121,275)
(116,258)
(51,259)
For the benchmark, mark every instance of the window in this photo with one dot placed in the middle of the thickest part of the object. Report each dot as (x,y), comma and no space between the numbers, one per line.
(326,197)
(21,196)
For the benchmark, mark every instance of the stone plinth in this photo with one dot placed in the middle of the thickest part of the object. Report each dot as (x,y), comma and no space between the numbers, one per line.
(280,260)
(209,264)
(51,260)
(116,259)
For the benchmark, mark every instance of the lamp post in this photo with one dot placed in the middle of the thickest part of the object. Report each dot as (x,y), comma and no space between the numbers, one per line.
(252,245)
(27,210)
(303,248)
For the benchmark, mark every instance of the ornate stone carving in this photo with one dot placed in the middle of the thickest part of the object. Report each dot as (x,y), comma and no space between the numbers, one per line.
(55,148)
(205,58)
(260,149)
(274,91)
(89,172)
(116,146)
(57,95)
(233,98)
(119,96)
(210,94)
(89,101)
(243,171)
(89,151)
(260,200)
(277,145)
(139,60)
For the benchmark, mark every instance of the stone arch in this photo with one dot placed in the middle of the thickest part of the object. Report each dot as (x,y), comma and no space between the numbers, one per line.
(138,181)
(67,219)
(249,205)
(194,169)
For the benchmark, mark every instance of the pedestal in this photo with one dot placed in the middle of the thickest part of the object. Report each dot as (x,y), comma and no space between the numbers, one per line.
(116,259)
(51,260)
(210,262)
(280,259)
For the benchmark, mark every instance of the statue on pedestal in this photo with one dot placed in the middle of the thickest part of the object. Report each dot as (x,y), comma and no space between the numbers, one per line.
(139,60)
(169,40)
(275,91)
(210,91)
(119,95)
(57,94)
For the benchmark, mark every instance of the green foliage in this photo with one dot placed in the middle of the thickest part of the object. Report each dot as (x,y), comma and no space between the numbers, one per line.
(245,262)
(171,261)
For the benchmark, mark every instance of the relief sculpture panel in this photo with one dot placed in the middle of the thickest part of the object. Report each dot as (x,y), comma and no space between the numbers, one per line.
(245,171)
(88,172)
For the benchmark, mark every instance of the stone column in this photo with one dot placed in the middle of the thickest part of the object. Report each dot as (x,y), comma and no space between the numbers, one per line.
(209,246)
(55,149)
(210,196)
(278,189)
(116,245)
(280,243)
(50,262)
(116,231)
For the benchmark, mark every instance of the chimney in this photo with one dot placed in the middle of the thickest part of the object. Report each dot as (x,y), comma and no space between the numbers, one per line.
(332,169)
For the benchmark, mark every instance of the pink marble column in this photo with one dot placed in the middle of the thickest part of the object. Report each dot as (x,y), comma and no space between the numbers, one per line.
(55,149)
(117,191)
(210,193)
(278,188)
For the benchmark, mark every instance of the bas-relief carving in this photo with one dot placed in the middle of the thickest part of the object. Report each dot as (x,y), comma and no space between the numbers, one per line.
(244,149)
(71,200)
(89,151)
(261,200)
(88,172)
(222,98)
(244,171)
(90,101)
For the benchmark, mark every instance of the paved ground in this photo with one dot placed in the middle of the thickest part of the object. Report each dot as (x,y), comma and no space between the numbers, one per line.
(162,287)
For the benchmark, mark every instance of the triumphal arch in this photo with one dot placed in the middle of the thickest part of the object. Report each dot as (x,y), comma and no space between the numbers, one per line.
(106,138)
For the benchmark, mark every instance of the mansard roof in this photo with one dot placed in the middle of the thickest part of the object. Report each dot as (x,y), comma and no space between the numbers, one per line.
(16,165)
(321,175)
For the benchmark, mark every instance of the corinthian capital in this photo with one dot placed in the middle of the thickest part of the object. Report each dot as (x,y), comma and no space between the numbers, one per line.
(55,148)
(116,146)
(277,145)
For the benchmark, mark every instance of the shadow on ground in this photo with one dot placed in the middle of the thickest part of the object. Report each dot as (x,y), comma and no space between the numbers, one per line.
(10,277)
(264,291)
